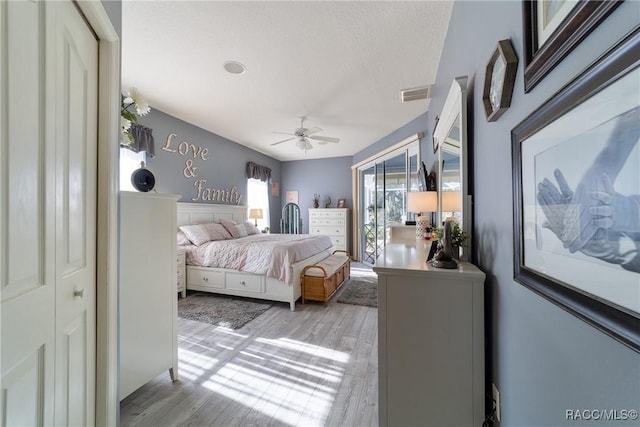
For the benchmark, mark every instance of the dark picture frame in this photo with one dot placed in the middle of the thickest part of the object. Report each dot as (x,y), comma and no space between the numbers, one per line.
(540,57)
(598,112)
(499,80)
(342,203)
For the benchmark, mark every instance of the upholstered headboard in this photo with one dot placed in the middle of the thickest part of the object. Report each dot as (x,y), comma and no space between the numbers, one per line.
(203,213)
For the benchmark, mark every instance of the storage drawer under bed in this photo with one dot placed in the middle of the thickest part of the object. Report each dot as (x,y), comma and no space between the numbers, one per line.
(244,282)
(198,277)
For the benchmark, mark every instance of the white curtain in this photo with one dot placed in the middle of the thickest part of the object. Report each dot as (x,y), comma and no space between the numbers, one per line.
(258,198)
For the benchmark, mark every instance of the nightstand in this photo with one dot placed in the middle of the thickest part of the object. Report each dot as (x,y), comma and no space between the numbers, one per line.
(181,276)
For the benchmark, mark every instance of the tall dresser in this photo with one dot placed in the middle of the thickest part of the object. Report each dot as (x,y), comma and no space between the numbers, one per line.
(332,222)
(148,277)
(430,340)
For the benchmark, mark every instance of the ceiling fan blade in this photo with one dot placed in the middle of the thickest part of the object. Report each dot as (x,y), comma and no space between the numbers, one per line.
(312,131)
(325,138)
(284,140)
(284,133)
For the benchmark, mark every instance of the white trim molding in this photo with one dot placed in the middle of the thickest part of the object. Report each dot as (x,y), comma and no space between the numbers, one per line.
(107,402)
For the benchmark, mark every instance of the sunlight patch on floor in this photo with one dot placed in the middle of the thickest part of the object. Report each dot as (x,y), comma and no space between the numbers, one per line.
(311,349)
(279,378)
(362,272)
(193,365)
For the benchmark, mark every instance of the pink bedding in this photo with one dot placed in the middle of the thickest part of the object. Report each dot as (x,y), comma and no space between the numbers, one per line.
(270,254)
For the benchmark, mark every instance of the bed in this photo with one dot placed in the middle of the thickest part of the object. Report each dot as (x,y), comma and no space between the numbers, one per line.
(243,263)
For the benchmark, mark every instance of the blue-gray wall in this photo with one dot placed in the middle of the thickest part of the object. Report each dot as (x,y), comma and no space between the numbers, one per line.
(224,166)
(543,360)
(421,124)
(326,177)
(114,12)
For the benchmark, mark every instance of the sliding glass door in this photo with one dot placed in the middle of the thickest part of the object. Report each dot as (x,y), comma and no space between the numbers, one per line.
(383,185)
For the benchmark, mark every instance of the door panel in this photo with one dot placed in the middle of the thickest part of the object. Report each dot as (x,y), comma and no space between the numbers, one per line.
(22,392)
(27,230)
(76,142)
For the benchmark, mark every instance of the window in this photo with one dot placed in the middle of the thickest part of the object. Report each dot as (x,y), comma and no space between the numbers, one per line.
(129,161)
(258,198)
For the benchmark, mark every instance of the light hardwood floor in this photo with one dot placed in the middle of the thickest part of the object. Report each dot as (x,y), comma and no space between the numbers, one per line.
(314,366)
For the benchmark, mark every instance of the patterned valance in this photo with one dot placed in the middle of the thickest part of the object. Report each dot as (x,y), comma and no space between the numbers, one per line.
(256,171)
(142,139)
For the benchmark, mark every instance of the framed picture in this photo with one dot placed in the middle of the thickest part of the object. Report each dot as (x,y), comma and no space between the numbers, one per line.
(275,189)
(552,28)
(342,203)
(499,79)
(291,197)
(577,217)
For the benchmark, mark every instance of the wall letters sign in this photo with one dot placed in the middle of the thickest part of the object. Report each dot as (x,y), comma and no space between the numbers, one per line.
(186,149)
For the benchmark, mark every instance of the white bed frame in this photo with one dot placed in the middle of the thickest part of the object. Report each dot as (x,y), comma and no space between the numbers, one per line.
(231,282)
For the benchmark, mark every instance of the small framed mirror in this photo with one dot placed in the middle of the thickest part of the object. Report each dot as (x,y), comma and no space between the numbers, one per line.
(450,136)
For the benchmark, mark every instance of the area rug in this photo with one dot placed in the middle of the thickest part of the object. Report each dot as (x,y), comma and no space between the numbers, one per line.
(360,291)
(221,310)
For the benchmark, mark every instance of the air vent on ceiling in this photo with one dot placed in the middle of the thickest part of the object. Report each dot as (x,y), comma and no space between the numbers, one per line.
(415,94)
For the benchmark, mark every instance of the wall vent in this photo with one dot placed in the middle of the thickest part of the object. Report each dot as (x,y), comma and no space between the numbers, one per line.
(415,94)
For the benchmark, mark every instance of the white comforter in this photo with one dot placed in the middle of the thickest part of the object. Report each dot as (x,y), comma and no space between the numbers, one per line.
(270,254)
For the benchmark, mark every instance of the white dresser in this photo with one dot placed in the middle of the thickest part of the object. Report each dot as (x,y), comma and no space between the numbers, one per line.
(147,301)
(430,340)
(332,222)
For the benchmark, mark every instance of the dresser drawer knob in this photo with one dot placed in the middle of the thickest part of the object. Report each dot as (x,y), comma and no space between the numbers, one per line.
(206,279)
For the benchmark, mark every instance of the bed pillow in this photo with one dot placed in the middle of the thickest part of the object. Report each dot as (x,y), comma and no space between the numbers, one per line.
(182,239)
(236,230)
(196,233)
(251,228)
(217,231)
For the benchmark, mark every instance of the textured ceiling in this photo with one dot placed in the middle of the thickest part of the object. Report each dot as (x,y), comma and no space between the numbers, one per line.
(340,64)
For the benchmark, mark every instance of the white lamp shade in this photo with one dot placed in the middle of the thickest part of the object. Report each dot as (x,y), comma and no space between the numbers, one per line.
(255,213)
(422,201)
(451,201)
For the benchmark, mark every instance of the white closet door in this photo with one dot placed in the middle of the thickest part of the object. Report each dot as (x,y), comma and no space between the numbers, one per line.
(76,53)
(48,101)
(27,268)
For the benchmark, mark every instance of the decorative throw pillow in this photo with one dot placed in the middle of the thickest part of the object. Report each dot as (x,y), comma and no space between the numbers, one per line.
(217,231)
(236,230)
(182,239)
(251,228)
(196,233)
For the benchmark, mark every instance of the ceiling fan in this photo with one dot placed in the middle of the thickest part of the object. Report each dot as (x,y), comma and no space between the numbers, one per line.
(303,135)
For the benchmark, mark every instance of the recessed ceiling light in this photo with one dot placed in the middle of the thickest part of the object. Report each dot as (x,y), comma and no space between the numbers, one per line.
(234,67)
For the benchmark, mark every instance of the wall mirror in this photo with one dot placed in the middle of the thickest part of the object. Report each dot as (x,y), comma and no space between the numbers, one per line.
(450,135)
(291,221)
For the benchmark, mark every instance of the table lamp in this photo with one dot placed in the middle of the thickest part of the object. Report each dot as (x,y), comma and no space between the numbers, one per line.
(419,202)
(451,202)
(255,214)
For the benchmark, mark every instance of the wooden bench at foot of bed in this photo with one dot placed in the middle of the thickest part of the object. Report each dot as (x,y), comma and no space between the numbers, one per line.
(320,281)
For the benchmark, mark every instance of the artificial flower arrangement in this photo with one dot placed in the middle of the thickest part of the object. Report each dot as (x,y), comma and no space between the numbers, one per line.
(458,237)
(133,106)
